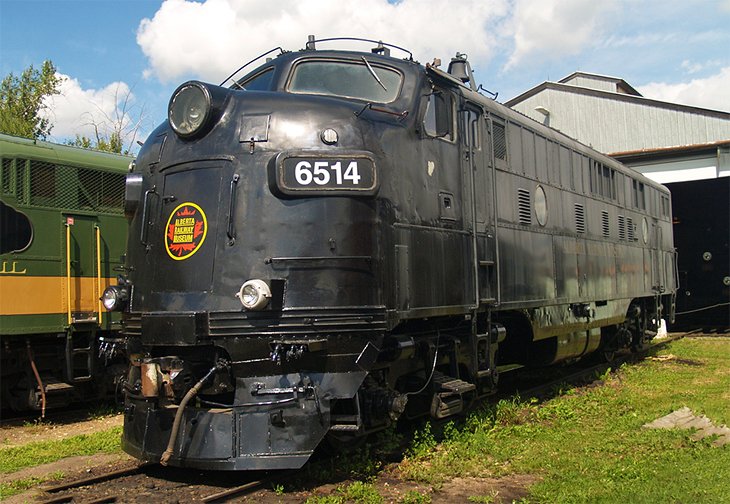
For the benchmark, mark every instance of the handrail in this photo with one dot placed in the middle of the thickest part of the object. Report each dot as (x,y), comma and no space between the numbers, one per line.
(145,223)
(98,272)
(68,273)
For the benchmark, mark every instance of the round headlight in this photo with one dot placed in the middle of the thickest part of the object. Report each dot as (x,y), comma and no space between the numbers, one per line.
(114,298)
(254,295)
(189,109)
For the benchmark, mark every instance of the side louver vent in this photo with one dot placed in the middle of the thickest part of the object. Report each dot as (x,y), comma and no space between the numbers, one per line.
(524,212)
(631,229)
(580,218)
(621,227)
(605,226)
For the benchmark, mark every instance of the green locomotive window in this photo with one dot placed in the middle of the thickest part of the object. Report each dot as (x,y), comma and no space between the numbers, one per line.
(348,79)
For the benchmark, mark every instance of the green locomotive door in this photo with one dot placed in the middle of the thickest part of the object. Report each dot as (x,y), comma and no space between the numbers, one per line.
(84,284)
(83,276)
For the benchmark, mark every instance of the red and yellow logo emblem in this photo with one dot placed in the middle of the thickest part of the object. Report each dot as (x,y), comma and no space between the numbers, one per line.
(185,231)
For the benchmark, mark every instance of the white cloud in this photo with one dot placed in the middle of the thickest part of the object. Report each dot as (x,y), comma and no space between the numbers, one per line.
(209,40)
(693,67)
(557,28)
(711,92)
(75,110)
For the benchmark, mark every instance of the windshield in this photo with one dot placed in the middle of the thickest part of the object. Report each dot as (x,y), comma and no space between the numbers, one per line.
(349,79)
(259,82)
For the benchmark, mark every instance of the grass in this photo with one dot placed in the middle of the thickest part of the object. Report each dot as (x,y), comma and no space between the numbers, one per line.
(588,445)
(43,452)
(359,492)
(23,484)
(32,454)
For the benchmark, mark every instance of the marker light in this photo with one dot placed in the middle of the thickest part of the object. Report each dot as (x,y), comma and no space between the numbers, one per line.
(254,295)
(115,298)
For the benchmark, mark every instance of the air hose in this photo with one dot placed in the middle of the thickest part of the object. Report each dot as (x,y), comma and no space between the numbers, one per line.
(178,416)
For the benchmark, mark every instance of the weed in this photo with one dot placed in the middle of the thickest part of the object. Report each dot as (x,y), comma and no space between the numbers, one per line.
(21,485)
(326,499)
(364,493)
(423,441)
(482,499)
(103,410)
(605,376)
(389,440)
(415,497)
(35,424)
(513,411)
(358,492)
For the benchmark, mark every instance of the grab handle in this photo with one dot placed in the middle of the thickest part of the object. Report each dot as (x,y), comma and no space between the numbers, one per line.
(145,222)
(231,210)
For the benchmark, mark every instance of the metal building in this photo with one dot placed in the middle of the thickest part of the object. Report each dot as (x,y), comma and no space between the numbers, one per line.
(687,148)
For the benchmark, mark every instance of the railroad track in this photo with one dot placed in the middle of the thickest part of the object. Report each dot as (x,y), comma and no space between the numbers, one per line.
(147,481)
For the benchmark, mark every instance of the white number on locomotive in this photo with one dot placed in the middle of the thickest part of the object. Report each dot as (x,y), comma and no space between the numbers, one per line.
(322,172)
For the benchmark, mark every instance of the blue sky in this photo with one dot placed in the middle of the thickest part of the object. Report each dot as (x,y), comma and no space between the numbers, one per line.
(142,49)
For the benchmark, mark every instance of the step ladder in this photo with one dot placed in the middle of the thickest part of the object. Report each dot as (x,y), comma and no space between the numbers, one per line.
(80,350)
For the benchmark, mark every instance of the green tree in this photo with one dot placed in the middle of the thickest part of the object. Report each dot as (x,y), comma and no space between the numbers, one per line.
(112,143)
(22,99)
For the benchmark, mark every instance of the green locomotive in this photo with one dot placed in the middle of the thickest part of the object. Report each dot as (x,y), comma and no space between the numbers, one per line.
(62,240)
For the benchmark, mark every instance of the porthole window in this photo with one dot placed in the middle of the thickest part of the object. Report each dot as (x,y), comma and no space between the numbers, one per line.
(645,230)
(541,210)
(16,232)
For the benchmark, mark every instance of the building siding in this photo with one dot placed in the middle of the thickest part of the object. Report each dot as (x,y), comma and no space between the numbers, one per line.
(613,122)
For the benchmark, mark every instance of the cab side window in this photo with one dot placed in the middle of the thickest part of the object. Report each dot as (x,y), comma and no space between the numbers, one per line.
(438,121)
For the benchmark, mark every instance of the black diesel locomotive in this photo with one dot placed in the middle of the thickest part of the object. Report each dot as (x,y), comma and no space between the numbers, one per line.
(341,238)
